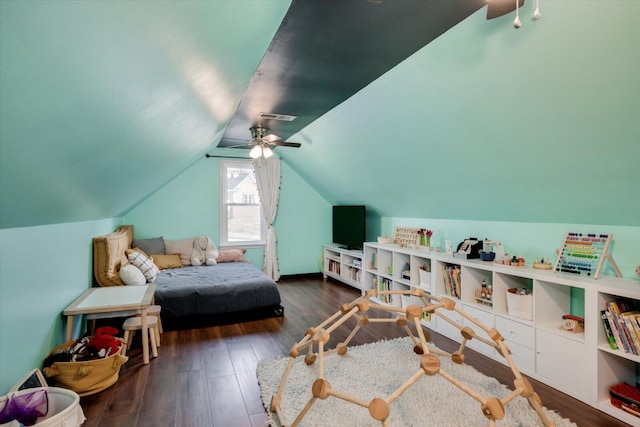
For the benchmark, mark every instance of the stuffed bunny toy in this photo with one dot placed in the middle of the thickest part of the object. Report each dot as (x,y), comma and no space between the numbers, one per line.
(204,251)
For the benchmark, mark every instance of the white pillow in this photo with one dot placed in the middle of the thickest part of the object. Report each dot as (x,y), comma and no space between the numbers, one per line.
(145,264)
(131,275)
(183,247)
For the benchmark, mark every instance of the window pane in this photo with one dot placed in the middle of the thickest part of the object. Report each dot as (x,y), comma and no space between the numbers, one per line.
(241,186)
(241,219)
(243,223)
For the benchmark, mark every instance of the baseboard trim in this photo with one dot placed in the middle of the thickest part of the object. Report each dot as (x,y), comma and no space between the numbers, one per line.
(302,276)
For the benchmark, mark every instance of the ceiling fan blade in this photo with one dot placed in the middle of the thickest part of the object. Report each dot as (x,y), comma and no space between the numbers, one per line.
(271,138)
(247,144)
(287,144)
(497,8)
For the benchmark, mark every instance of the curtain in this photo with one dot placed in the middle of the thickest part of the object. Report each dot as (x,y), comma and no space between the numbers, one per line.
(268,180)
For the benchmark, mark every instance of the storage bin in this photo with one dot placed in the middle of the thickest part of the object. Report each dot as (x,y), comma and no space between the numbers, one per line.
(424,275)
(520,306)
(63,411)
(85,377)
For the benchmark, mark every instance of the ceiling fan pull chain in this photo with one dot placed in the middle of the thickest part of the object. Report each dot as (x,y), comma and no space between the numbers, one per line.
(536,12)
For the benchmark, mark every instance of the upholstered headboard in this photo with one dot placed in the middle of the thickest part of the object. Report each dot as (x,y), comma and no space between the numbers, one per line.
(109,255)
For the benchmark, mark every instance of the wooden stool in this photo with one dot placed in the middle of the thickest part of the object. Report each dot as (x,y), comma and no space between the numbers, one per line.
(154,310)
(133,324)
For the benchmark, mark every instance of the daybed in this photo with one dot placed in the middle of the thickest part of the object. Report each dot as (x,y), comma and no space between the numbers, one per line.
(226,290)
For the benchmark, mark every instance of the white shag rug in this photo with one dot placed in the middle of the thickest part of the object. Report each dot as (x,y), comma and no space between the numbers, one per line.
(377,370)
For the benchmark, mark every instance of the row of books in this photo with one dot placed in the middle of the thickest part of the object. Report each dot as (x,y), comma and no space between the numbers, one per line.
(334,266)
(354,273)
(374,261)
(451,275)
(383,284)
(621,322)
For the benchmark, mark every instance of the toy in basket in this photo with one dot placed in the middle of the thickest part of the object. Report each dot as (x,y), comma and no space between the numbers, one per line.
(89,365)
(520,303)
(53,407)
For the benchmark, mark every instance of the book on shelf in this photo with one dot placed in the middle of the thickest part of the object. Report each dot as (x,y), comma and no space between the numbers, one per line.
(451,276)
(455,274)
(607,329)
(614,330)
(622,317)
(627,319)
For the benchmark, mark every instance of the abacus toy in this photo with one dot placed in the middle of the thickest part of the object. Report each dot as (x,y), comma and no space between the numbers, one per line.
(427,364)
(584,253)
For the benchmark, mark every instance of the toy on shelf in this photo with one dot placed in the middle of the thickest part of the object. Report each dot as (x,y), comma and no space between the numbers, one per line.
(385,240)
(513,261)
(406,237)
(583,253)
(484,295)
(626,397)
(469,249)
(542,264)
(493,251)
(572,323)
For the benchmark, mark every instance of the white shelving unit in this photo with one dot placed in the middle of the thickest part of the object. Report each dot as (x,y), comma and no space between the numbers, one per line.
(386,269)
(344,265)
(581,364)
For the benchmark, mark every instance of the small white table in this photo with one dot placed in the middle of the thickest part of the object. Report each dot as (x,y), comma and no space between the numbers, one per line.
(113,299)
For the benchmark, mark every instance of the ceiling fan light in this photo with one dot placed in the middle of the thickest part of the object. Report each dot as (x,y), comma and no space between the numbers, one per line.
(256,152)
(267,152)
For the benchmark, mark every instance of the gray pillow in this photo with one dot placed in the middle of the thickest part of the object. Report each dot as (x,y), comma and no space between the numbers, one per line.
(150,246)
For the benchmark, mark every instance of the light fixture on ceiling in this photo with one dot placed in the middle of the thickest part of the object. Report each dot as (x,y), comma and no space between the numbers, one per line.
(262,142)
(260,150)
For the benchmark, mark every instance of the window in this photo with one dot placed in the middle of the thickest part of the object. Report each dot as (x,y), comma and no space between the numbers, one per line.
(241,219)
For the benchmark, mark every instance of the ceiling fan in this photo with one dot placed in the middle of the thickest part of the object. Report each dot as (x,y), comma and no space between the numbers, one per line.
(262,142)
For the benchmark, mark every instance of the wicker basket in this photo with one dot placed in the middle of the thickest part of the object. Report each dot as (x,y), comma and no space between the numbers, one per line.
(86,377)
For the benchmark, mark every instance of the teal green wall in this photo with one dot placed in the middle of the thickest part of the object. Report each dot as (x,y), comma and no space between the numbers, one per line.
(303,224)
(188,206)
(490,123)
(43,269)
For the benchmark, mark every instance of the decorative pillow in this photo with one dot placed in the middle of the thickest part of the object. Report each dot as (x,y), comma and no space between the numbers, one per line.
(131,275)
(231,255)
(183,247)
(145,264)
(136,249)
(166,261)
(150,246)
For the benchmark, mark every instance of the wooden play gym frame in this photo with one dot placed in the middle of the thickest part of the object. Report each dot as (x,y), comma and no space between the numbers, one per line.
(492,408)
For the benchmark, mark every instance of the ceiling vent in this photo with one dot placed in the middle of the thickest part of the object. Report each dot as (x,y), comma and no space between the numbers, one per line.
(274,116)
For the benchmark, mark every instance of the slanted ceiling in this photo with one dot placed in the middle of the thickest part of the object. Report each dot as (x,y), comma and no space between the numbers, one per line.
(103,103)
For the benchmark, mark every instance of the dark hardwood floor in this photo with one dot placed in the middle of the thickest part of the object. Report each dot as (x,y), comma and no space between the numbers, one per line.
(207,376)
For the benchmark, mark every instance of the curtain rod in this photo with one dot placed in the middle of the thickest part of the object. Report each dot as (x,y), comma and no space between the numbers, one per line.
(226,157)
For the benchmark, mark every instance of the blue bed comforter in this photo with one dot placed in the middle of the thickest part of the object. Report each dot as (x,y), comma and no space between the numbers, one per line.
(217,289)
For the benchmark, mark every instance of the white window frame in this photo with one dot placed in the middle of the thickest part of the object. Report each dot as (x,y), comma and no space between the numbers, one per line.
(224,236)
